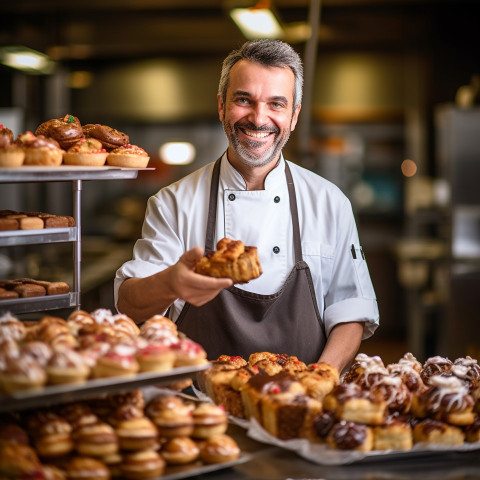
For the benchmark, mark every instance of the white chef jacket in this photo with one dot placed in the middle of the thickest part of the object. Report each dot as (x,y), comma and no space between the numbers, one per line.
(176,218)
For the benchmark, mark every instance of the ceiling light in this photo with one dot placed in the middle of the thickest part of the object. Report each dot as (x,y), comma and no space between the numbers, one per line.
(258,21)
(177,153)
(26,59)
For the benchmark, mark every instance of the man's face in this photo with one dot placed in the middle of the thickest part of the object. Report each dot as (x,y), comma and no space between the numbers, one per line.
(258,113)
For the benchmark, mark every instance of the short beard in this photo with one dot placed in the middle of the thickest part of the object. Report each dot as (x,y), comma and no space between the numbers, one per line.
(248,157)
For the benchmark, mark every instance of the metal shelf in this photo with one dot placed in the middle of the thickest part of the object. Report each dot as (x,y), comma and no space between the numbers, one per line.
(38,304)
(10,238)
(57,394)
(66,174)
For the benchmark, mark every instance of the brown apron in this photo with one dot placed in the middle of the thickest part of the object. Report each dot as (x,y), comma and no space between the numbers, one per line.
(237,322)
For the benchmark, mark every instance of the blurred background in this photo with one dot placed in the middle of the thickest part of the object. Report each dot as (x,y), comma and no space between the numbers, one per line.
(391,114)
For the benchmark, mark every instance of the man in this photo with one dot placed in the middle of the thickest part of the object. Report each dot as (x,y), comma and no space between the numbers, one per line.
(314,299)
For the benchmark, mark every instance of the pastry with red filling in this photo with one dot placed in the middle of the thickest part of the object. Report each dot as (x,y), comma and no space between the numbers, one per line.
(87,152)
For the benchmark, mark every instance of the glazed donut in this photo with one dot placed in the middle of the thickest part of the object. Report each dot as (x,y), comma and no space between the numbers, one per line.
(180,451)
(66,130)
(219,449)
(110,137)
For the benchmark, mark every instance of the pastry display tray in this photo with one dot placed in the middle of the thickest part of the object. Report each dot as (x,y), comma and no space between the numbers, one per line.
(56,394)
(199,468)
(66,173)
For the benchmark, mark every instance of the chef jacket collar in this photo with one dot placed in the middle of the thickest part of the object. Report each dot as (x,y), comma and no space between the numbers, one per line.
(233,180)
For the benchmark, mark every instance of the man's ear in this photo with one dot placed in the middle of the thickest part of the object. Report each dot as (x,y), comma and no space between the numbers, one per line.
(221,111)
(295,118)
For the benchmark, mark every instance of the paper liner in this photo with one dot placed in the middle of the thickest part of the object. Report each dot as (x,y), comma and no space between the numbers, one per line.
(323,455)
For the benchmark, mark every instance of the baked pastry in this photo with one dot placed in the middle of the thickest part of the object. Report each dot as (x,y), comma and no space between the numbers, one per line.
(40,150)
(472,432)
(95,440)
(22,373)
(119,361)
(346,435)
(86,151)
(37,351)
(232,259)
(447,400)
(124,412)
(110,137)
(209,420)
(351,403)
(66,366)
(159,329)
(171,415)
(180,451)
(65,130)
(86,468)
(18,461)
(137,434)
(435,366)
(435,432)
(142,465)
(319,380)
(128,156)
(10,154)
(219,449)
(53,438)
(188,353)
(13,433)
(11,328)
(393,434)
(155,357)
(323,423)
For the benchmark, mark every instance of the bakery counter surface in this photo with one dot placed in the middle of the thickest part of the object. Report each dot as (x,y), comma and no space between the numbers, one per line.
(274,463)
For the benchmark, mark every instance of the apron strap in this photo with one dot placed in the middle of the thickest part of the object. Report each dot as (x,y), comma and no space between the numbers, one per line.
(212,208)
(297,243)
(212,211)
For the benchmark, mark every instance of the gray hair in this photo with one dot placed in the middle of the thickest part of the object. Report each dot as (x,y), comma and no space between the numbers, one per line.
(269,53)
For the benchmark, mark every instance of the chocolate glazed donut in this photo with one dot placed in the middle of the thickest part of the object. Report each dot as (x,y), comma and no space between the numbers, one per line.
(109,137)
(66,131)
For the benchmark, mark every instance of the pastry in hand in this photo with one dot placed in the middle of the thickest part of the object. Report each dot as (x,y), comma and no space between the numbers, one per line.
(232,259)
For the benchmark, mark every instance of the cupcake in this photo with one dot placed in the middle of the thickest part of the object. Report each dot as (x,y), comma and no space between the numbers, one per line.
(128,156)
(86,151)
(10,154)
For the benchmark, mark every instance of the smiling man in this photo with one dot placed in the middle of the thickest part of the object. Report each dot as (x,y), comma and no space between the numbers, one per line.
(315,298)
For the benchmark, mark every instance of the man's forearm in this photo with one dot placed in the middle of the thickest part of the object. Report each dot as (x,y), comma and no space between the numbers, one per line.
(142,298)
(342,345)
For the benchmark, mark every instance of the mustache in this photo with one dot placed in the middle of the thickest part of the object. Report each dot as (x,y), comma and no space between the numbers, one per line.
(254,128)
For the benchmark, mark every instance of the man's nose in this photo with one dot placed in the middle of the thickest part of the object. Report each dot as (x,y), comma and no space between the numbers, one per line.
(258,114)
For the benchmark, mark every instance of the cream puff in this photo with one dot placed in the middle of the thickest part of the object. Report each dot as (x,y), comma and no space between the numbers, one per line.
(171,415)
(137,434)
(86,468)
(219,449)
(209,420)
(180,451)
(142,465)
(96,439)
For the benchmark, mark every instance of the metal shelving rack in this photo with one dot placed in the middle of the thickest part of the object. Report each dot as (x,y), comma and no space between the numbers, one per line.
(75,175)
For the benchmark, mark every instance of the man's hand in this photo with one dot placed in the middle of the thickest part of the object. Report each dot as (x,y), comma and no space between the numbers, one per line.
(192,287)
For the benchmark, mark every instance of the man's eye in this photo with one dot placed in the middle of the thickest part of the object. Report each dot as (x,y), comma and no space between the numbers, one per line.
(277,105)
(242,100)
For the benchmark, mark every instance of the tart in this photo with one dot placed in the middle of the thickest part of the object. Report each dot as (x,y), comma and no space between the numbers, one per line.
(130,156)
(86,151)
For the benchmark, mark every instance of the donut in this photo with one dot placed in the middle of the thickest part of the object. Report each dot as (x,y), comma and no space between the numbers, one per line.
(209,420)
(108,136)
(128,156)
(53,438)
(142,465)
(346,435)
(86,151)
(65,130)
(96,439)
(86,468)
(137,434)
(219,449)
(180,451)
(171,415)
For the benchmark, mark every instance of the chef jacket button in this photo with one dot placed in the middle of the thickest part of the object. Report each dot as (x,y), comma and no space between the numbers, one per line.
(276,199)
(276,249)
(231,197)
